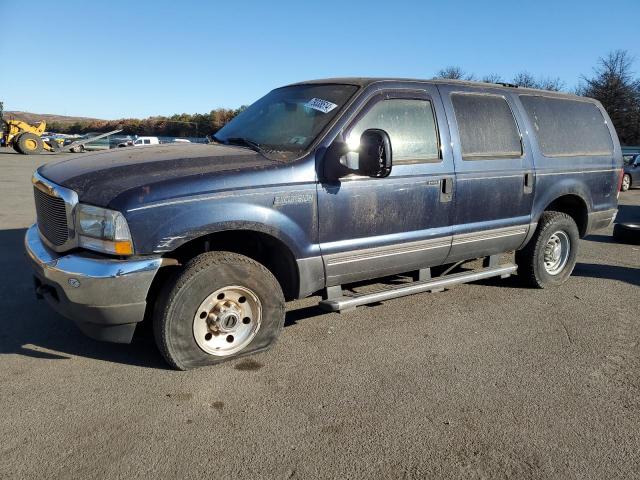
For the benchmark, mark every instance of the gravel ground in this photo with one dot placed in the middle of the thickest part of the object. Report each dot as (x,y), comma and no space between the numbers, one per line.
(486,380)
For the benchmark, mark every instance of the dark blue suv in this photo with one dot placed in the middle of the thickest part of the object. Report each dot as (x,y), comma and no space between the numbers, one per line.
(631,176)
(314,186)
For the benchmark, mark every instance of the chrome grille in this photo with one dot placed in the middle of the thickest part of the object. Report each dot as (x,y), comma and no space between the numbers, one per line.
(52,217)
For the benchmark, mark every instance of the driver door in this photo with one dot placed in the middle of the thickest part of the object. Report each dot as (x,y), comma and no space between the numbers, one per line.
(371,227)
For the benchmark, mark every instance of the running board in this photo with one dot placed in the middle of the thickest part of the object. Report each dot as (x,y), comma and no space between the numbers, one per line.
(345,303)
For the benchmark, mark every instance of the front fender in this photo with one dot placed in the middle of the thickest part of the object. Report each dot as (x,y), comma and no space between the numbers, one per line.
(163,228)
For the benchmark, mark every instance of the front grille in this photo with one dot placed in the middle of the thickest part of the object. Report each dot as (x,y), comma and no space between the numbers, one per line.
(52,217)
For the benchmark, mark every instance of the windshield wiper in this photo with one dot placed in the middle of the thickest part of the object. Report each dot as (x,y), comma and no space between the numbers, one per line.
(245,142)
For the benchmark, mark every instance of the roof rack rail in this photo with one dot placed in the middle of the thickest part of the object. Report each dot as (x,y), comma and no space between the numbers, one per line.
(505,84)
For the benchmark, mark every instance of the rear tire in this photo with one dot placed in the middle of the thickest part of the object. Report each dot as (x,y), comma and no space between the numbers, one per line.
(221,306)
(30,144)
(626,182)
(550,256)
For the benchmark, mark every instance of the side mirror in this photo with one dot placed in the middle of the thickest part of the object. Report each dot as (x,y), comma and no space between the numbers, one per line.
(371,157)
(374,159)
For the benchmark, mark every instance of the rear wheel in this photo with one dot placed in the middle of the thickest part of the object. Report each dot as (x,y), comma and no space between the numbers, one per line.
(30,144)
(220,306)
(549,257)
(626,182)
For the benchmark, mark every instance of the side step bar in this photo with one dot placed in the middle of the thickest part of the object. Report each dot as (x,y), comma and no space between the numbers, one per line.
(346,303)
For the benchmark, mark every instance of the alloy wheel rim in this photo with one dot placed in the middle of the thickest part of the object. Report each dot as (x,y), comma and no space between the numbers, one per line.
(227,320)
(556,252)
(625,182)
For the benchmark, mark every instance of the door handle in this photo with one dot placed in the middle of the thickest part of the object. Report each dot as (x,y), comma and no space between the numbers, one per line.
(528,182)
(446,189)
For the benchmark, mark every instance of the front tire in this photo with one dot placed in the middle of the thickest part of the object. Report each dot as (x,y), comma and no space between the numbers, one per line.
(550,256)
(221,306)
(30,144)
(626,182)
(16,143)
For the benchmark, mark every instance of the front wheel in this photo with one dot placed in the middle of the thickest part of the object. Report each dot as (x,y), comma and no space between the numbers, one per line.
(30,144)
(16,143)
(626,182)
(549,257)
(221,306)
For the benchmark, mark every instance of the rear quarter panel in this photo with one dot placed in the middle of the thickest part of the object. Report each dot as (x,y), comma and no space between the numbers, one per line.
(592,178)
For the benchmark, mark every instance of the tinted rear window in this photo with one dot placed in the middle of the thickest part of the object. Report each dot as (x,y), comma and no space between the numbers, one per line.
(567,127)
(486,125)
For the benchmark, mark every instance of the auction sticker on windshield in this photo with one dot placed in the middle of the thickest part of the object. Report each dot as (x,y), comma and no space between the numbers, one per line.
(321,105)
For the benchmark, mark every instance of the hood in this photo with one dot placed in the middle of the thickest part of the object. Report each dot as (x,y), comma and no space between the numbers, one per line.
(100,177)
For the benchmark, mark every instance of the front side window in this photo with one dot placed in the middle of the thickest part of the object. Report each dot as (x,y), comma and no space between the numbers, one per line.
(287,119)
(486,126)
(147,142)
(411,126)
(567,127)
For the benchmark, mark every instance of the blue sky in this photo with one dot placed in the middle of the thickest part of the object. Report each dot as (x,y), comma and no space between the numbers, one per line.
(134,59)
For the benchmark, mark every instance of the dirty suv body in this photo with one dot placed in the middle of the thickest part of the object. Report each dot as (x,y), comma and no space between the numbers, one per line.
(315,186)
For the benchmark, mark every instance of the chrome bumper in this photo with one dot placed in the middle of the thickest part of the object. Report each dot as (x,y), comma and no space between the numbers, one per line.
(105,297)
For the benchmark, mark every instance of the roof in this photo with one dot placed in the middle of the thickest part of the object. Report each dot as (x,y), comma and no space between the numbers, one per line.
(366,81)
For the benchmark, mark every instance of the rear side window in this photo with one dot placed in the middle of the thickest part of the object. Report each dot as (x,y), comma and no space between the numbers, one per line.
(567,127)
(410,124)
(486,126)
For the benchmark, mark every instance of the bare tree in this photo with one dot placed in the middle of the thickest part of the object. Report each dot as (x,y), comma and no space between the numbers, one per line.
(492,78)
(525,79)
(454,73)
(614,85)
(553,84)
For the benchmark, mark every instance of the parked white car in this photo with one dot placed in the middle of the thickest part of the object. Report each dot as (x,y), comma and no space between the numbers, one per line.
(141,141)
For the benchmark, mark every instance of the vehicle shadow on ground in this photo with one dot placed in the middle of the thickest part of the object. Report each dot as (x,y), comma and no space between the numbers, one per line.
(601,239)
(628,275)
(304,313)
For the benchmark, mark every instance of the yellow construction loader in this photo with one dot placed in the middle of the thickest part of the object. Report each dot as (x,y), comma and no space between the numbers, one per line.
(25,138)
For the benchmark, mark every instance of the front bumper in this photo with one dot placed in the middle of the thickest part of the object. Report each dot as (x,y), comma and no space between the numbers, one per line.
(106,298)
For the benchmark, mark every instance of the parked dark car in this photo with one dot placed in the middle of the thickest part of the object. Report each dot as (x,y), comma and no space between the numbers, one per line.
(314,186)
(631,177)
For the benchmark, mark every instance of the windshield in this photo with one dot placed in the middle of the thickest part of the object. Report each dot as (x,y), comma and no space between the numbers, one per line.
(287,119)
(629,159)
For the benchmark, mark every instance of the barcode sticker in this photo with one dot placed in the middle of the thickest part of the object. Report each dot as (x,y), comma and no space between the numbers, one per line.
(321,105)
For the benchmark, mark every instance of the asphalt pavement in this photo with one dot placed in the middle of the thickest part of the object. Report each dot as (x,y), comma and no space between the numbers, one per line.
(485,380)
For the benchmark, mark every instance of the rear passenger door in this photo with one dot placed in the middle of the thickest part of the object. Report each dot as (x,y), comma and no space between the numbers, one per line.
(494,172)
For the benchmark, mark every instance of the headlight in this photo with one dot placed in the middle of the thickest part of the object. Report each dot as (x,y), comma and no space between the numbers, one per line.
(103,230)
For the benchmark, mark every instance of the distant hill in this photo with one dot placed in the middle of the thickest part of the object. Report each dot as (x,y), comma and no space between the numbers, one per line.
(177,125)
(47,117)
